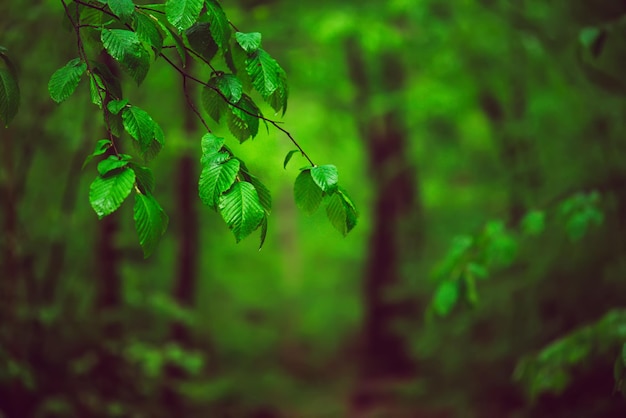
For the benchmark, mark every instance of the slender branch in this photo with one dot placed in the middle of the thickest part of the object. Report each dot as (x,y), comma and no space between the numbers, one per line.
(192,106)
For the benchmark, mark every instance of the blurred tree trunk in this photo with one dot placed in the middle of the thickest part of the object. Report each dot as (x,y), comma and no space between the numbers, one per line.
(397,211)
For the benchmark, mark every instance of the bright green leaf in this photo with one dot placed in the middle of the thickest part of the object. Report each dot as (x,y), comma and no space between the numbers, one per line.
(148,31)
(264,72)
(65,80)
(139,125)
(288,157)
(126,48)
(183,13)
(211,144)
(150,222)
(230,86)
(250,42)
(307,193)
(241,209)
(110,164)
(326,177)
(341,213)
(106,194)
(115,106)
(97,89)
(101,147)
(215,179)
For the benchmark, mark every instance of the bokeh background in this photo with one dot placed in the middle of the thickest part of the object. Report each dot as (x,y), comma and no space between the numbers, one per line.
(484,145)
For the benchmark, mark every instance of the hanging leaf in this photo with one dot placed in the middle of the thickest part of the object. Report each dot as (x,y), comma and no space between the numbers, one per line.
(110,164)
(148,31)
(265,197)
(278,99)
(211,144)
(212,102)
(230,86)
(445,298)
(139,125)
(288,157)
(144,178)
(250,42)
(201,41)
(264,72)
(97,89)
(220,28)
(115,106)
(126,48)
(106,194)
(183,13)
(263,232)
(243,120)
(241,209)
(341,212)
(180,46)
(101,147)
(124,9)
(307,193)
(326,177)
(64,81)
(150,222)
(9,95)
(215,179)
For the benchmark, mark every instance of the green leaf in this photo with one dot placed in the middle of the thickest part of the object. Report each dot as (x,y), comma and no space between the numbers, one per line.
(65,80)
(212,102)
(263,232)
(183,13)
(220,28)
(124,9)
(101,147)
(241,209)
(9,95)
(126,48)
(115,106)
(307,193)
(211,144)
(148,31)
(288,157)
(215,179)
(180,46)
(534,223)
(144,178)
(326,177)
(201,41)
(341,213)
(250,42)
(139,125)
(106,194)
(264,72)
(278,99)
(110,164)
(230,86)
(445,298)
(242,122)
(265,197)
(97,89)
(150,222)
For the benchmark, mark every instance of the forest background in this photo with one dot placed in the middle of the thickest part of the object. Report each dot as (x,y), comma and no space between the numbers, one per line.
(483,144)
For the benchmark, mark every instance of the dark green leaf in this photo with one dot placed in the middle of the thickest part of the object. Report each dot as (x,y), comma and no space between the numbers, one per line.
(341,213)
(144,178)
(215,179)
(326,177)
(126,48)
(288,157)
(230,86)
(65,80)
(183,13)
(243,119)
(150,222)
(106,194)
(124,9)
(97,89)
(220,28)
(250,42)
(241,209)
(180,46)
(212,102)
(101,147)
(263,232)
(307,193)
(201,41)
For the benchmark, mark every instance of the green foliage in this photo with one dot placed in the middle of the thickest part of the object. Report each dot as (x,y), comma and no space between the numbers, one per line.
(307,193)
(9,89)
(107,193)
(132,35)
(150,221)
(580,212)
(552,368)
(64,81)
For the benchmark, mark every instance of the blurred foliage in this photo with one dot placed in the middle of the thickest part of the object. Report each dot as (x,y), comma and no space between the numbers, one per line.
(510,278)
